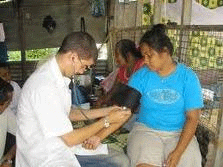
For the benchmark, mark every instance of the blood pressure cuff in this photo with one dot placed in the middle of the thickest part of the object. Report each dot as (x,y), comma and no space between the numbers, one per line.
(126,96)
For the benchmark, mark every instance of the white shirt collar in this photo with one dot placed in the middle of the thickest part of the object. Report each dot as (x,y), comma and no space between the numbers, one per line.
(61,80)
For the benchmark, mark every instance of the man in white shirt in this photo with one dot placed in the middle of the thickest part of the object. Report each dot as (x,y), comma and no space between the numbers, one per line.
(7,122)
(45,133)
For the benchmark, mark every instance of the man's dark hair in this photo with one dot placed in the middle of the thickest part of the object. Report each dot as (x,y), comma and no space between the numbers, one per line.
(5,89)
(157,39)
(80,42)
(126,46)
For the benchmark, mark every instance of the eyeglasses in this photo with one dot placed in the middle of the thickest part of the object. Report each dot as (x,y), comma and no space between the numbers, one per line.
(86,67)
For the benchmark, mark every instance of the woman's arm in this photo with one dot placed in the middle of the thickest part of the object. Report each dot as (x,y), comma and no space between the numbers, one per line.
(7,159)
(94,141)
(185,138)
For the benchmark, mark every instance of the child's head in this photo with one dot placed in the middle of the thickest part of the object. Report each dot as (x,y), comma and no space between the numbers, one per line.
(6,91)
(4,72)
(124,49)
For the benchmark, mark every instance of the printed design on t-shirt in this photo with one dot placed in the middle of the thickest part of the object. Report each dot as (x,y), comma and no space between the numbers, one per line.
(164,96)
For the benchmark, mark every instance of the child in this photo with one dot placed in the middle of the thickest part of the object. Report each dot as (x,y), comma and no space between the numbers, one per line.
(7,122)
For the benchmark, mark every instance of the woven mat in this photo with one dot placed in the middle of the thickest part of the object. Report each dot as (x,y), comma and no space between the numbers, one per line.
(117,140)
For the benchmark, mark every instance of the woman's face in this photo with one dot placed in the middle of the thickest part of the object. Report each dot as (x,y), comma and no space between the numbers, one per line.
(119,60)
(153,59)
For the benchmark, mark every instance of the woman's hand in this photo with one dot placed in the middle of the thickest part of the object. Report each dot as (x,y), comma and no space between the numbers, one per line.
(119,115)
(173,158)
(92,143)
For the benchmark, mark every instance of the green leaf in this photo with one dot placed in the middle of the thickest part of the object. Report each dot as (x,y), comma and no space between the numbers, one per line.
(218,42)
(196,33)
(205,3)
(195,52)
(109,139)
(211,51)
(203,41)
(203,61)
(219,61)
(147,9)
(172,1)
(220,2)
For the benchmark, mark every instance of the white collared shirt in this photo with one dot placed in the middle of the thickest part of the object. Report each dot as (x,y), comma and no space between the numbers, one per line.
(42,117)
(15,98)
(8,117)
(7,124)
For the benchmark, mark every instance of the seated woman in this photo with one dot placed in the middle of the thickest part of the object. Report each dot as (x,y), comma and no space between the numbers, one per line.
(171,103)
(129,60)
(7,122)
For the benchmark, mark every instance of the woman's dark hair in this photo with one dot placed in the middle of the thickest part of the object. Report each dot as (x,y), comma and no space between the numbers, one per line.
(157,39)
(5,89)
(126,46)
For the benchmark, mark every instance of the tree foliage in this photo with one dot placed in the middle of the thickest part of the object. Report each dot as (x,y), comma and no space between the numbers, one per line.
(35,54)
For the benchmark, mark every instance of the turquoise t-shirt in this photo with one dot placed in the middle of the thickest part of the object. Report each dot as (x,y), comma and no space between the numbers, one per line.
(165,100)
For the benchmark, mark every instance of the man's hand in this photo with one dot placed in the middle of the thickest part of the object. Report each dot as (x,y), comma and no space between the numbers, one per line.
(113,108)
(6,163)
(92,143)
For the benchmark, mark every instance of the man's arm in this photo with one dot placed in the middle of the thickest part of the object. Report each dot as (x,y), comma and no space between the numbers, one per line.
(185,138)
(79,135)
(94,141)
(81,114)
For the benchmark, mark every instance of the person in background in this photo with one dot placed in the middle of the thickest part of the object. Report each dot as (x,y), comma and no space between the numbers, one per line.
(6,75)
(128,58)
(7,123)
(164,134)
(45,133)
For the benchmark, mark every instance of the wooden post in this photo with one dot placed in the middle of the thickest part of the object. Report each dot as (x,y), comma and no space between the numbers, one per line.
(157,11)
(22,41)
(185,20)
(218,147)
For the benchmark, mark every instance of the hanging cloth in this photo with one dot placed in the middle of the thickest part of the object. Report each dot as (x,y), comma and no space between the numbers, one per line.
(82,24)
(3,52)
(79,94)
(3,47)
(98,8)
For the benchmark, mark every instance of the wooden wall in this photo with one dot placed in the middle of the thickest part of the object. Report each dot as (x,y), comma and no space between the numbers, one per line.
(30,66)
(66,13)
